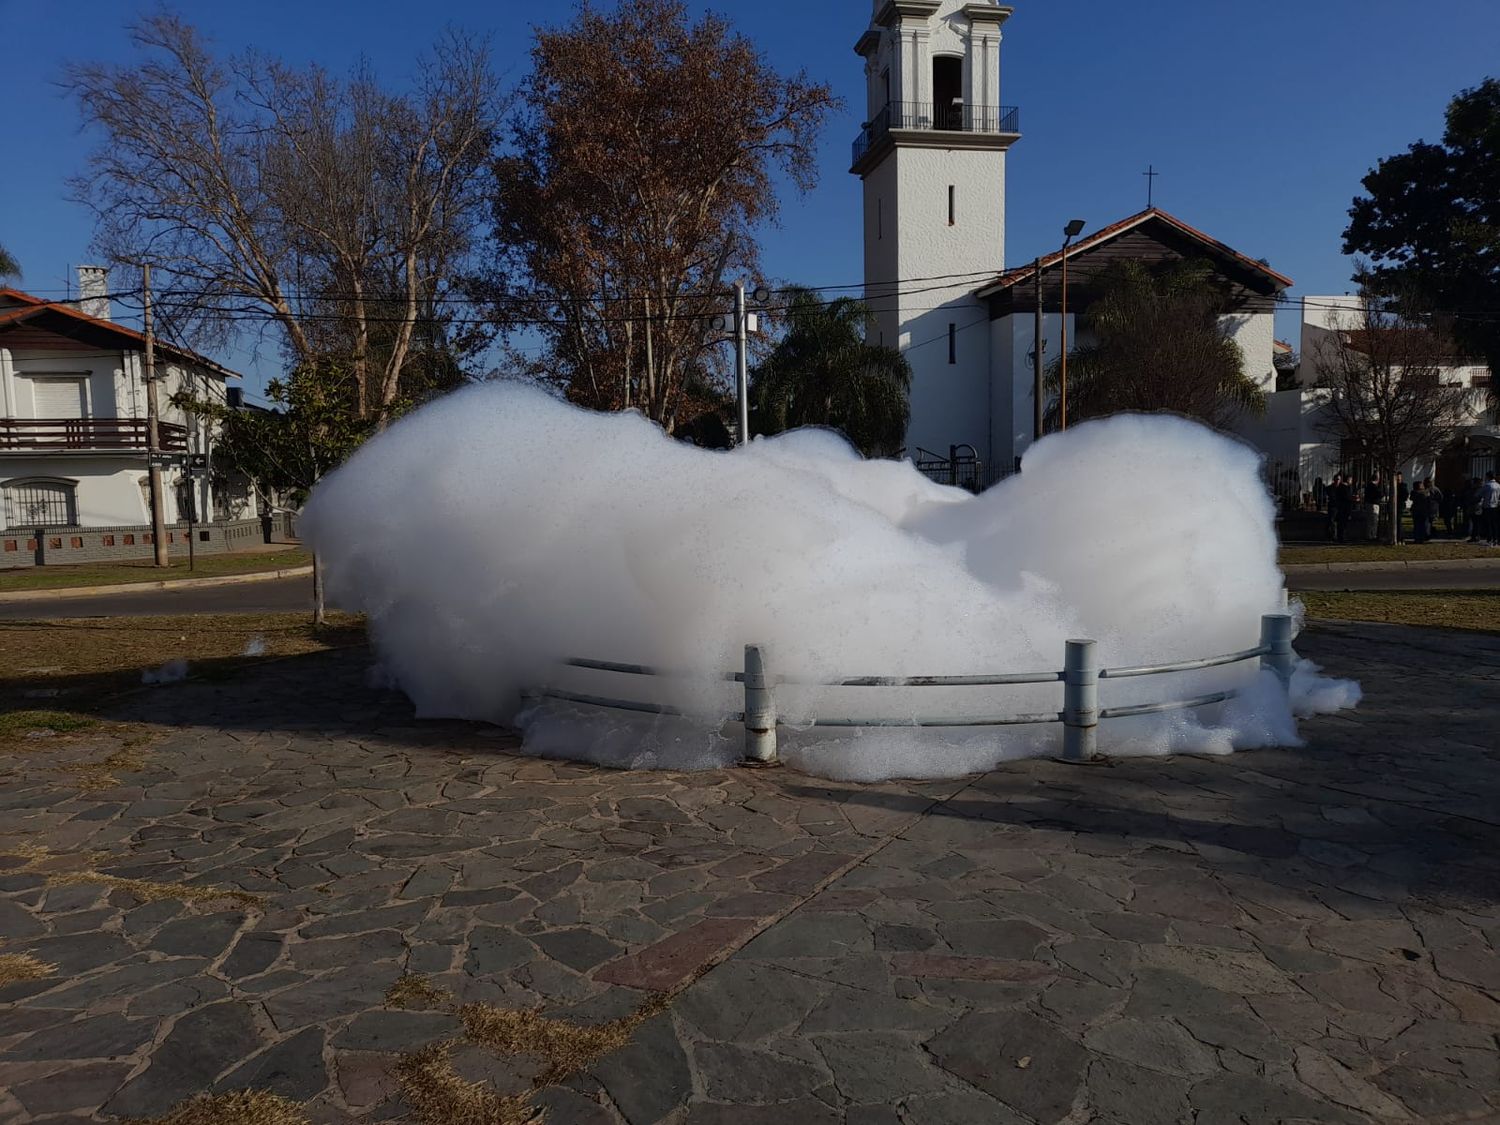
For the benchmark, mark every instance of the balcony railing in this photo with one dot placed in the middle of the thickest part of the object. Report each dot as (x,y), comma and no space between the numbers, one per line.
(1000,120)
(103,434)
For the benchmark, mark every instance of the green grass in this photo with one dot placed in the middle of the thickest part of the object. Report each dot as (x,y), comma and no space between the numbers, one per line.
(1476,611)
(1446,550)
(112,574)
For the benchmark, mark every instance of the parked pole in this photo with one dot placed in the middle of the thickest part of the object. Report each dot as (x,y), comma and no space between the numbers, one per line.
(1037,340)
(742,361)
(1276,636)
(1080,701)
(153,430)
(760,709)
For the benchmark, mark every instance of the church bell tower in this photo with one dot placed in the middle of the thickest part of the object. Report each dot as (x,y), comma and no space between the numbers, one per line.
(931,158)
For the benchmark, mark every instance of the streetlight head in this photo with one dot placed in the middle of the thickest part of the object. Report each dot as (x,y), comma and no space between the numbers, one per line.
(1074,228)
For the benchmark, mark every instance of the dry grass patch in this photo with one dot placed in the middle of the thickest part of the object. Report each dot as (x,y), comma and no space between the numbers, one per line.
(38,725)
(65,869)
(438,1095)
(241,1107)
(156,892)
(1475,611)
(1443,551)
(93,776)
(566,1048)
(23,966)
(93,660)
(414,991)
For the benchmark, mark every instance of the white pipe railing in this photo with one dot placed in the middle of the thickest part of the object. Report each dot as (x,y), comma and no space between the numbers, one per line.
(1080,676)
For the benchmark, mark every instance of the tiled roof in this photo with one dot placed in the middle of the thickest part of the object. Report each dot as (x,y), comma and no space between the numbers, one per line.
(1010,278)
(34,308)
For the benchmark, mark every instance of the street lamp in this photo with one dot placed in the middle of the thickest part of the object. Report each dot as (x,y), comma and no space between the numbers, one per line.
(1070,232)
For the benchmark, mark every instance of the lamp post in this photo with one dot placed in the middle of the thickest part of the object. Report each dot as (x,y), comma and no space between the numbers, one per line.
(1070,232)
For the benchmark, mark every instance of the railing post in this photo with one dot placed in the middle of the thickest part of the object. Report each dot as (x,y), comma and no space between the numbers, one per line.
(1080,701)
(1276,637)
(760,709)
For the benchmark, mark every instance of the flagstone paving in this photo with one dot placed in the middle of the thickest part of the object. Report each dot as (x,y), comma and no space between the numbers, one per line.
(1290,935)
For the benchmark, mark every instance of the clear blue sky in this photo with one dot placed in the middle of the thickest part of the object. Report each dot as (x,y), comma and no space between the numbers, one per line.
(1262,118)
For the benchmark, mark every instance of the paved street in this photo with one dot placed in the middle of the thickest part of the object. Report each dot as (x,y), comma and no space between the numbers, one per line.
(282,595)
(1290,935)
(1429,576)
(293,595)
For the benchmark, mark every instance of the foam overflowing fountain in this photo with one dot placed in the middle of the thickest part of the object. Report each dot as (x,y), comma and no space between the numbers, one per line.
(497,532)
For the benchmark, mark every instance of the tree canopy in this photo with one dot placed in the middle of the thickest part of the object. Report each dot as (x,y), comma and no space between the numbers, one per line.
(642,159)
(1429,223)
(823,373)
(1157,343)
(9,267)
(335,209)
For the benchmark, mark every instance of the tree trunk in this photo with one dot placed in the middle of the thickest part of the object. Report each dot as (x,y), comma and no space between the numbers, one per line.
(319,616)
(1395,509)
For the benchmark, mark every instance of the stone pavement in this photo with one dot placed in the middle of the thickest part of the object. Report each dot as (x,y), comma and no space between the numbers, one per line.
(1299,935)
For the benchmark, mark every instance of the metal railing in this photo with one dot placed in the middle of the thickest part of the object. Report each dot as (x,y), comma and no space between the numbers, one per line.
(87,433)
(954,118)
(1080,676)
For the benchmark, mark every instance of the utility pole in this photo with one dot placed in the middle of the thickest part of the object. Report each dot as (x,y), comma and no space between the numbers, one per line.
(153,433)
(1037,341)
(742,361)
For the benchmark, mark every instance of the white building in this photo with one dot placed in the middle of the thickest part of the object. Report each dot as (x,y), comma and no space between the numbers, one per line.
(1296,434)
(73,426)
(932,159)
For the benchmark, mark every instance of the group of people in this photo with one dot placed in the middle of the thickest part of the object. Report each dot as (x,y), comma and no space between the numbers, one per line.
(1471,511)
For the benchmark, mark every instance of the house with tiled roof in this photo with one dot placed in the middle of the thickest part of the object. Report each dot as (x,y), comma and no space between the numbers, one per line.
(73,434)
(932,164)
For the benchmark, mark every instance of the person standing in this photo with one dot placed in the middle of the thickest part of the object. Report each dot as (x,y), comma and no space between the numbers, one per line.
(1469,502)
(1421,513)
(1447,504)
(1340,506)
(1490,501)
(1373,489)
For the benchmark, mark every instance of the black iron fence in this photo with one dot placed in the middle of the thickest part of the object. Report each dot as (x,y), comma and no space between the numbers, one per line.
(955,117)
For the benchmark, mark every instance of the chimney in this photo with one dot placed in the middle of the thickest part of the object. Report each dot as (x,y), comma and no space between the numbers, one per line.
(93,291)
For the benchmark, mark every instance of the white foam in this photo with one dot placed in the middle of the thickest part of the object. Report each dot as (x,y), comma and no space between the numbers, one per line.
(497,531)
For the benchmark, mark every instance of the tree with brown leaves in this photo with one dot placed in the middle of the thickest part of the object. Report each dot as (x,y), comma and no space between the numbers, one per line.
(643,162)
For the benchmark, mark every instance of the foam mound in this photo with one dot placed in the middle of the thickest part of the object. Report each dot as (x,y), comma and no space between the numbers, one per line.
(497,532)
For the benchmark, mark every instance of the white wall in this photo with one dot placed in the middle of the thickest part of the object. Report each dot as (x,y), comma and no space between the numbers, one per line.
(108,490)
(1255,333)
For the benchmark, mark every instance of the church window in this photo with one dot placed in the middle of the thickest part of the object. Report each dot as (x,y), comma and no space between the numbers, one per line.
(952,205)
(952,343)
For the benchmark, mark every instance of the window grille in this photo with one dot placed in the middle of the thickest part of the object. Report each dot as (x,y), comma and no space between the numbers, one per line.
(40,503)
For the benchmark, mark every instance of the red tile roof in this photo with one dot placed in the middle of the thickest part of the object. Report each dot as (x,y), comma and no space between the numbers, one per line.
(1022,273)
(34,308)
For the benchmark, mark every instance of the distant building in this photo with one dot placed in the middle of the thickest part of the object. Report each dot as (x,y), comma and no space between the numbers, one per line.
(1296,433)
(73,430)
(932,161)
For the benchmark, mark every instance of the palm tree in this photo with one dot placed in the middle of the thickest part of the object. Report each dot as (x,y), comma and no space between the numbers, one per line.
(9,267)
(824,373)
(1157,344)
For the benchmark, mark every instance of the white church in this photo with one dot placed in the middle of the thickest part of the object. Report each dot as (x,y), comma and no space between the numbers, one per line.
(932,161)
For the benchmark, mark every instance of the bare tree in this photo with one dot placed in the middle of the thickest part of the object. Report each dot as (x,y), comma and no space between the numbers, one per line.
(1383,390)
(333,208)
(643,161)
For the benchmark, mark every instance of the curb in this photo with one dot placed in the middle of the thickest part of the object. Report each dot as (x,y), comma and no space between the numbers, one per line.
(1395,565)
(144,587)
